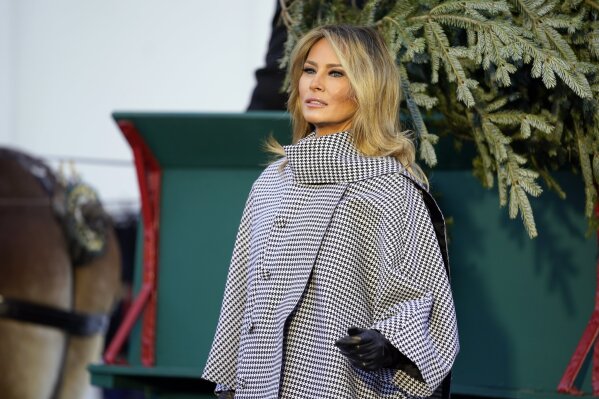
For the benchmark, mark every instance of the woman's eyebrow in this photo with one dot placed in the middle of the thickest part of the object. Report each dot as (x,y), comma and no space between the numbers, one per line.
(327,65)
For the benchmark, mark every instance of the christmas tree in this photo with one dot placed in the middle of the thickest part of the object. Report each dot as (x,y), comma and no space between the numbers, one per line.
(519,79)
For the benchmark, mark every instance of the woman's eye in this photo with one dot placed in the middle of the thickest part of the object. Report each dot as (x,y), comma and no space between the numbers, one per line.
(336,74)
(309,70)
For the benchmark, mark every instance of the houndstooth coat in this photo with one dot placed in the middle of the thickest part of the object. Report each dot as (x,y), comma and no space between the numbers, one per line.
(334,240)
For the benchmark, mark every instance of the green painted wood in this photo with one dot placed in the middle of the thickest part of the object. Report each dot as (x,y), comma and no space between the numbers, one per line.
(201,209)
(209,163)
(153,380)
(149,372)
(221,140)
(522,304)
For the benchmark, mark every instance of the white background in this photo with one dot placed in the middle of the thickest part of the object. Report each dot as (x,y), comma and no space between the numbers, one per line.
(65,65)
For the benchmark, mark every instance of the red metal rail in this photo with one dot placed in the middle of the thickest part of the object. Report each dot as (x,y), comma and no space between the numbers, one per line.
(587,341)
(149,178)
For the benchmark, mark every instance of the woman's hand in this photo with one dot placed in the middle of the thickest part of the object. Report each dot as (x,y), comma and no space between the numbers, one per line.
(367,349)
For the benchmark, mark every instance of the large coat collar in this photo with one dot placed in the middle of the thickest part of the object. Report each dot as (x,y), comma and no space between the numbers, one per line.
(333,158)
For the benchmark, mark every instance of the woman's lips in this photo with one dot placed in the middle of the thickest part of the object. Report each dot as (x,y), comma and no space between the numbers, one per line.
(315,103)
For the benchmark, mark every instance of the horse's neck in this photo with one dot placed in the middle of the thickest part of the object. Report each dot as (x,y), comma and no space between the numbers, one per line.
(23,176)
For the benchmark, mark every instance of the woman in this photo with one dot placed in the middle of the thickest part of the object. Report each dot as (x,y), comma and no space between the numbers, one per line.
(338,286)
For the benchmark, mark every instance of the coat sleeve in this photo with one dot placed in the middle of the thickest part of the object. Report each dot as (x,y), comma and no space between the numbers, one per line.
(418,315)
(221,366)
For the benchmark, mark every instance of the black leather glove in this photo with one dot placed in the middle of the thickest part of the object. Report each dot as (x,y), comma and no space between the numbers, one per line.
(225,394)
(369,350)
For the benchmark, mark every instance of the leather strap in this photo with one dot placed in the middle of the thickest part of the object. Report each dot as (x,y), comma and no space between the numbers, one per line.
(74,323)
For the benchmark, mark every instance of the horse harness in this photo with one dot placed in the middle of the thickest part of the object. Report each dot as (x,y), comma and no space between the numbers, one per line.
(84,223)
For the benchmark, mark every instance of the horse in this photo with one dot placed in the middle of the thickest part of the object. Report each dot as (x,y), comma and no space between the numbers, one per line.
(60,270)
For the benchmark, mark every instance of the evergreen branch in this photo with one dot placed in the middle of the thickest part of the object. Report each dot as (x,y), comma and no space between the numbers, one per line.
(488,44)
(427,151)
(522,181)
(424,100)
(502,186)
(486,175)
(407,37)
(552,39)
(526,212)
(420,96)
(368,12)
(550,64)
(452,65)
(563,22)
(496,140)
(513,203)
(509,171)
(587,172)
(497,104)
(412,107)
(530,15)
(540,123)
(592,4)
(457,21)
(559,44)
(552,184)
(545,8)
(287,20)
(577,84)
(402,9)
(504,68)
(493,7)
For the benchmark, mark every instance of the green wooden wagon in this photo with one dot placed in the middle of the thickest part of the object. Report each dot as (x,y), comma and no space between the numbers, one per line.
(522,304)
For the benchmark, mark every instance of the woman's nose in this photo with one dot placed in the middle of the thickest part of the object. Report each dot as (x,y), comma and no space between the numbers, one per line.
(316,83)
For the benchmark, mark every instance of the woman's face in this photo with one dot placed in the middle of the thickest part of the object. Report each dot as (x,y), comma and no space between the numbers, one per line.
(325,91)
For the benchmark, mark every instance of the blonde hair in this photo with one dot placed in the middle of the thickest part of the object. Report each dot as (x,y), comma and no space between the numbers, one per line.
(374,80)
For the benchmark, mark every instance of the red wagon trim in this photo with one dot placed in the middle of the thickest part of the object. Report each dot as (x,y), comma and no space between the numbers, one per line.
(149,176)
